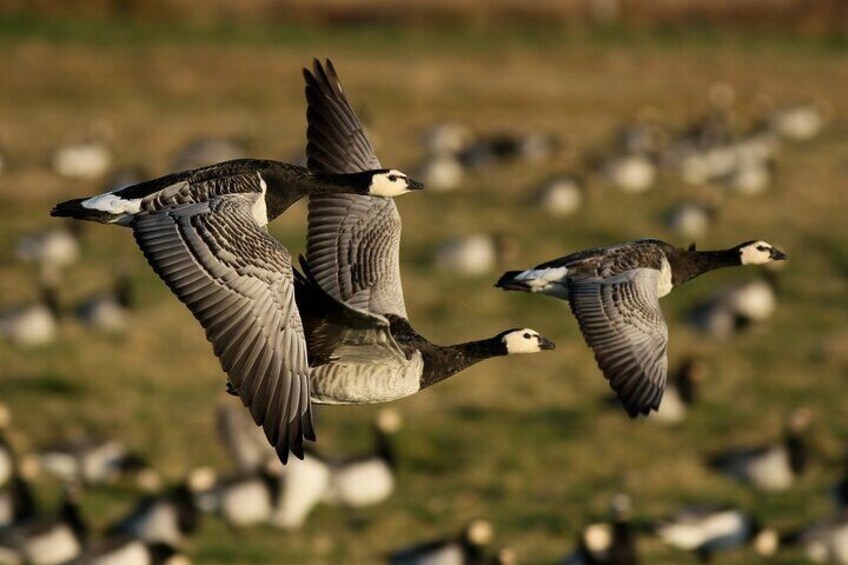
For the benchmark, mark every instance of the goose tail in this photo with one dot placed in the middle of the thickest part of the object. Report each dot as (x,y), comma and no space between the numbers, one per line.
(532,280)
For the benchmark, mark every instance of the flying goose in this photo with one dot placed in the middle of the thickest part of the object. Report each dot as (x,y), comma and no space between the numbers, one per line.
(770,467)
(362,348)
(204,233)
(708,529)
(614,293)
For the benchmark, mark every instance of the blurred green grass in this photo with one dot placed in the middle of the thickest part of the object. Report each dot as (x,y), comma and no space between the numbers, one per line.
(523,442)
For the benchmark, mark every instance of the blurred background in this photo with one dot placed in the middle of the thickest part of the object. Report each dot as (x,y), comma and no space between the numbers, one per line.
(541,129)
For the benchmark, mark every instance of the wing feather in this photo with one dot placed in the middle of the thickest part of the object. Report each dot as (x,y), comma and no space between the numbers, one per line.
(622,322)
(237,281)
(353,241)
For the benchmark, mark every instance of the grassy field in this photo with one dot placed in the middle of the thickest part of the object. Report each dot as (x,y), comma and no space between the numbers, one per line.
(524,442)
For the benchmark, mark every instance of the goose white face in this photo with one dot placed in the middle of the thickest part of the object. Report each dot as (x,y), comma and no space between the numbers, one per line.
(760,253)
(391,183)
(525,341)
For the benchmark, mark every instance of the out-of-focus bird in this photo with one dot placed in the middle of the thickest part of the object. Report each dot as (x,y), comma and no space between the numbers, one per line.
(710,529)
(736,307)
(799,122)
(440,172)
(824,541)
(608,543)
(53,250)
(243,439)
(614,293)
(633,174)
(125,550)
(690,219)
(681,393)
(467,548)
(35,324)
(475,254)
(92,460)
(49,541)
(86,160)
(367,480)
(560,196)
(169,517)
(246,499)
(108,311)
(770,467)
(446,138)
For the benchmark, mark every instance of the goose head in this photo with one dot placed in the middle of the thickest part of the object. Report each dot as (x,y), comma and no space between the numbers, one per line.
(389,183)
(759,253)
(524,340)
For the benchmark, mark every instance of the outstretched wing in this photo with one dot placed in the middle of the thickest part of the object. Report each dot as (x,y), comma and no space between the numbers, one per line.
(237,281)
(353,242)
(622,322)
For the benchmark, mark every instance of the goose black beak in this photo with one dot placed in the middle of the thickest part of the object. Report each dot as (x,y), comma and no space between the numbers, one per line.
(777,255)
(414,184)
(546,344)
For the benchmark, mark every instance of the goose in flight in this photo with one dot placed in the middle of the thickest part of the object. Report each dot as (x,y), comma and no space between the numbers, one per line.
(614,293)
(203,231)
(362,348)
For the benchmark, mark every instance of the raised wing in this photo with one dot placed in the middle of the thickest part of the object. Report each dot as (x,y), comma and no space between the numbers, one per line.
(353,242)
(622,322)
(237,281)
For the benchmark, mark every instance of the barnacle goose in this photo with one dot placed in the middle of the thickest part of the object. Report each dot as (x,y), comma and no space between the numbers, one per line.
(707,529)
(35,324)
(614,293)
(91,460)
(607,543)
(85,160)
(469,547)
(362,348)
(203,231)
(770,467)
(680,393)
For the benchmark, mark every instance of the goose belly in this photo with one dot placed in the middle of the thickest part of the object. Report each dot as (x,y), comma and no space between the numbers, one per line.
(358,383)
(672,409)
(361,484)
(158,524)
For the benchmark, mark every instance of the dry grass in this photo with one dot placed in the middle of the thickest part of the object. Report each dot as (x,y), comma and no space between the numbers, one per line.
(524,442)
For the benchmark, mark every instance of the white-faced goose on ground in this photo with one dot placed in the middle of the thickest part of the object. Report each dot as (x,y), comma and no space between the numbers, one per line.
(204,233)
(614,293)
(469,547)
(710,529)
(362,348)
(607,543)
(770,467)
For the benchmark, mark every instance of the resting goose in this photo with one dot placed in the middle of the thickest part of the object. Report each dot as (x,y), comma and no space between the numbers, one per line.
(17,502)
(244,442)
(468,548)
(169,517)
(92,460)
(108,311)
(86,160)
(825,541)
(614,293)
(123,550)
(560,196)
(709,529)
(607,544)
(362,348)
(680,393)
(35,324)
(204,233)
(770,467)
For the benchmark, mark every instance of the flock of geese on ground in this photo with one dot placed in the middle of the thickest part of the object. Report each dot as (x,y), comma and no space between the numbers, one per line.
(334,328)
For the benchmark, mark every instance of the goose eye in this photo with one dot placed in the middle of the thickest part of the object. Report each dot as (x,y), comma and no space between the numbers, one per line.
(526,336)
(393,178)
(762,248)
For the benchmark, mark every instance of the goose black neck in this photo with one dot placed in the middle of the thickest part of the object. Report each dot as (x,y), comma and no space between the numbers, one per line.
(444,361)
(688,264)
(23,500)
(384,448)
(287,184)
(72,516)
(623,551)
(686,384)
(796,446)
